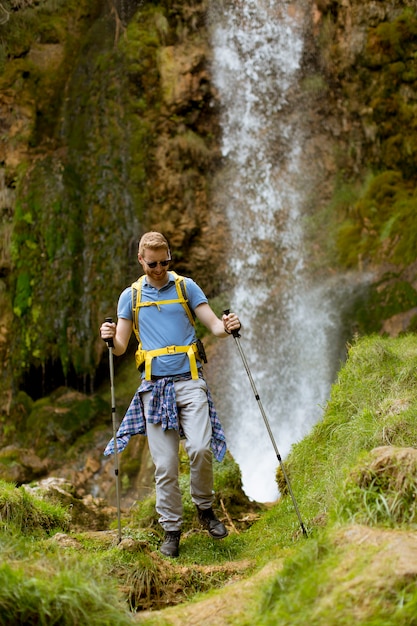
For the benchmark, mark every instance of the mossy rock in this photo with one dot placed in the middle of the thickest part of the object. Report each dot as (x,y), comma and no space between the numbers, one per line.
(86,513)
(56,421)
(389,297)
(21,465)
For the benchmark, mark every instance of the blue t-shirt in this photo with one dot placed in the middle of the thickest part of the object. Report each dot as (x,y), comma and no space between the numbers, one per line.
(164,325)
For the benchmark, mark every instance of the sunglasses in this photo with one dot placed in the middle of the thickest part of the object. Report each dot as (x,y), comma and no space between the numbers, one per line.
(153,264)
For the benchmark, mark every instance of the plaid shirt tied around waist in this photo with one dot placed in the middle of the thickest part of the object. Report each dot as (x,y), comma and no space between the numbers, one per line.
(162,410)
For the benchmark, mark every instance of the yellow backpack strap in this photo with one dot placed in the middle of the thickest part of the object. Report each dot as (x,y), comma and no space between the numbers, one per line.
(181,288)
(191,351)
(136,303)
(144,357)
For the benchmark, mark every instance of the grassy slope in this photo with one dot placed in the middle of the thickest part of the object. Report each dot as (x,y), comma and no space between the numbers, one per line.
(342,572)
(345,570)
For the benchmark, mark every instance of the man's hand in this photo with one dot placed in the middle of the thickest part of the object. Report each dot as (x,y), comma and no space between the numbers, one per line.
(231,322)
(119,333)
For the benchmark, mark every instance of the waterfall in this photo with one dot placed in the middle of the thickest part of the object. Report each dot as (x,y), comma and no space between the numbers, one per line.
(291,331)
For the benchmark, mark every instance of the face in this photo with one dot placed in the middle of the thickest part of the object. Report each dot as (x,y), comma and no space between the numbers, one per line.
(157,276)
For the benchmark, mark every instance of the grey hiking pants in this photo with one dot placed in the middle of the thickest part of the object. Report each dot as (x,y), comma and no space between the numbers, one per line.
(193,413)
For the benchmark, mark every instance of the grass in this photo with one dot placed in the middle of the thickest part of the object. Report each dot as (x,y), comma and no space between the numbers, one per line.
(56,591)
(24,514)
(40,583)
(354,478)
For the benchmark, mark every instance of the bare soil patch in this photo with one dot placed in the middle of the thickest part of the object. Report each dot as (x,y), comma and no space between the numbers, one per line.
(220,608)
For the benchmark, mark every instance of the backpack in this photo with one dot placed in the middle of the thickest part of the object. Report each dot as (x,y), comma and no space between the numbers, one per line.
(144,358)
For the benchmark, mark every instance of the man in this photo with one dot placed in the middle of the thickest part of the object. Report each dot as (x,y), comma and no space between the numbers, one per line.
(173,400)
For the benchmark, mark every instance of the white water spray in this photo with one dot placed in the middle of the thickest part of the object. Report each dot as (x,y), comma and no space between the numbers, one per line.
(290,334)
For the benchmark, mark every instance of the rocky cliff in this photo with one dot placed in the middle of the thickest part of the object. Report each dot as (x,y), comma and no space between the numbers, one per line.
(109,129)
(365,68)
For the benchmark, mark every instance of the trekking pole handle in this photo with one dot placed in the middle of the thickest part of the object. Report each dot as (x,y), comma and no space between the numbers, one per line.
(235,331)
(109,341)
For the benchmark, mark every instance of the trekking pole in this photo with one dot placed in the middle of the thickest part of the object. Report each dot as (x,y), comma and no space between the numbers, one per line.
(236,335)
(110,346)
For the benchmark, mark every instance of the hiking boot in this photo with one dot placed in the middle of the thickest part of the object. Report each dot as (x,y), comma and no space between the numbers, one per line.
(170,546)
(210,522)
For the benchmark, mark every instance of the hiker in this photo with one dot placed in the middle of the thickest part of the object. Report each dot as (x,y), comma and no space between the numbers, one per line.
(173,400)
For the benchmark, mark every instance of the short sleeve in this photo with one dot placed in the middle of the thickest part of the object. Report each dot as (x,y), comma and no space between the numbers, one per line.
(124,306)
(195,294)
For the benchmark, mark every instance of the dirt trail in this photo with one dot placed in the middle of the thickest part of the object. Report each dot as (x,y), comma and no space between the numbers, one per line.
(225,607)
(391,563)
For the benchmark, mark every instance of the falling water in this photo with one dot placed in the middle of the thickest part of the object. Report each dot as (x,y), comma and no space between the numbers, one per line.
(291,329)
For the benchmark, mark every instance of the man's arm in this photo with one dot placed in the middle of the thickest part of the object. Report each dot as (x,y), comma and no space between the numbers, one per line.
(120,334)
(219,327)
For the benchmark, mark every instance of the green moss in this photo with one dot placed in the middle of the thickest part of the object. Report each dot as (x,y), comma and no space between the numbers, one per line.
(386,298)
(95,114)
(391,48)
(41,248)
(60,419)
(381,224)
(23,294)
(391,41)
(40,43)
(372,215)
(67,235)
